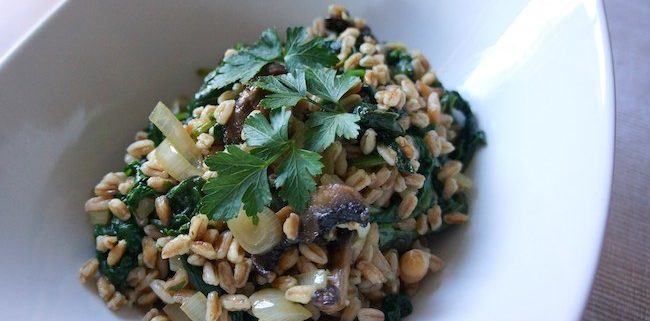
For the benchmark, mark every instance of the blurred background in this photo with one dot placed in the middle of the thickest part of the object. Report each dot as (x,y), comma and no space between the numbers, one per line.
(621,289)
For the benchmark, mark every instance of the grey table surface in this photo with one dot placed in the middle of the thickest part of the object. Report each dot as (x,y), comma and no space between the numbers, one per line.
(621,289)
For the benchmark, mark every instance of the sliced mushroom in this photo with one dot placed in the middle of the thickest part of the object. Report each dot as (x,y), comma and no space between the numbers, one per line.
(247,102)
(334,296)
(267,262)
(273,69)
(332,205)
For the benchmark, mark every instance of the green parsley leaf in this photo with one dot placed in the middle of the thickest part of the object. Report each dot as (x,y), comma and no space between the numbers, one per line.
(326,126)
(296,177)
(241,179)
(286,90)
(269,139)
(313,53)
(326,84)
(296,171)
(243,65)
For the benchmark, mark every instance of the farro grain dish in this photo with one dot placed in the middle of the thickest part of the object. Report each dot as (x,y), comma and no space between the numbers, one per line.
(303,180)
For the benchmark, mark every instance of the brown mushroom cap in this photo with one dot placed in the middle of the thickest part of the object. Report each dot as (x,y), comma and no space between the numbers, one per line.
(330,206)
(245,104)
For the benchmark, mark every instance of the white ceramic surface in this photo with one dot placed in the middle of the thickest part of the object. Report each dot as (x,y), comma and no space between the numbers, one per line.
(538,74)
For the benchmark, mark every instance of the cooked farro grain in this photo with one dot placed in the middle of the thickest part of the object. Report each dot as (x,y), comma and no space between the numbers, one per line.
(370,314)
(149,252)
(359,180)
(116,302)
(160,184)
(196,260)
(305,265)
(203,249)
(235,302)
(371,272)
(136,276)
(105,288)
(177,246)
(241,272)
(226,279)
(198,226)
(115,254)
(291,226)
(119,209)
(288,259)
(284,213)
(300,293)
(345,191)
(436,264)
(104,243)
(421,225)
(235,252)
(455,218)
(88,270)
(368,141)
(407,205)
(450,188)
(284,282)
(388,154)
(209,276)
(222,244)
(146,299)
(352,61)
(152,313)
(163,209)
(213,309)
(150,277)
(407,224)
(313,252)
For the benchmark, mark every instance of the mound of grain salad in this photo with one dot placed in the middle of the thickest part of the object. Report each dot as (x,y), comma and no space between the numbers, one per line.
(304,180)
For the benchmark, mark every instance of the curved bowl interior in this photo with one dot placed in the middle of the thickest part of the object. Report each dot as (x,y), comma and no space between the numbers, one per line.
(537,73)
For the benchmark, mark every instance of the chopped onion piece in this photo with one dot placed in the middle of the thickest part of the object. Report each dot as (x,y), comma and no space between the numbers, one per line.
(260,238)
(99,217)
(174,313)
(175,263)
(145,207)
(463,181)
(317,278)
(173,163)
(173,130)
(270,305)
(195,307)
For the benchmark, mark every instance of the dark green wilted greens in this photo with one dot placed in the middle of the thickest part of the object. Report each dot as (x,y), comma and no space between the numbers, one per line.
(470,136)
(184,200)
(140,188)
(396,306)
(195,276)
(132,234)
(392,238)
(241,316)
(383,122)
(399,62)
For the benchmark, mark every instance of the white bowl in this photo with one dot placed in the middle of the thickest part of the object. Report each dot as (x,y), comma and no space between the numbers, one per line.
(538,73)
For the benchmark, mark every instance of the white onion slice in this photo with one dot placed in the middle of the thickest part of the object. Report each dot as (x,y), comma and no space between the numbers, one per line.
(270,305)
(173,163)
(174,312)
(317,278)
(174,132)
(256,239)
(195,306)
